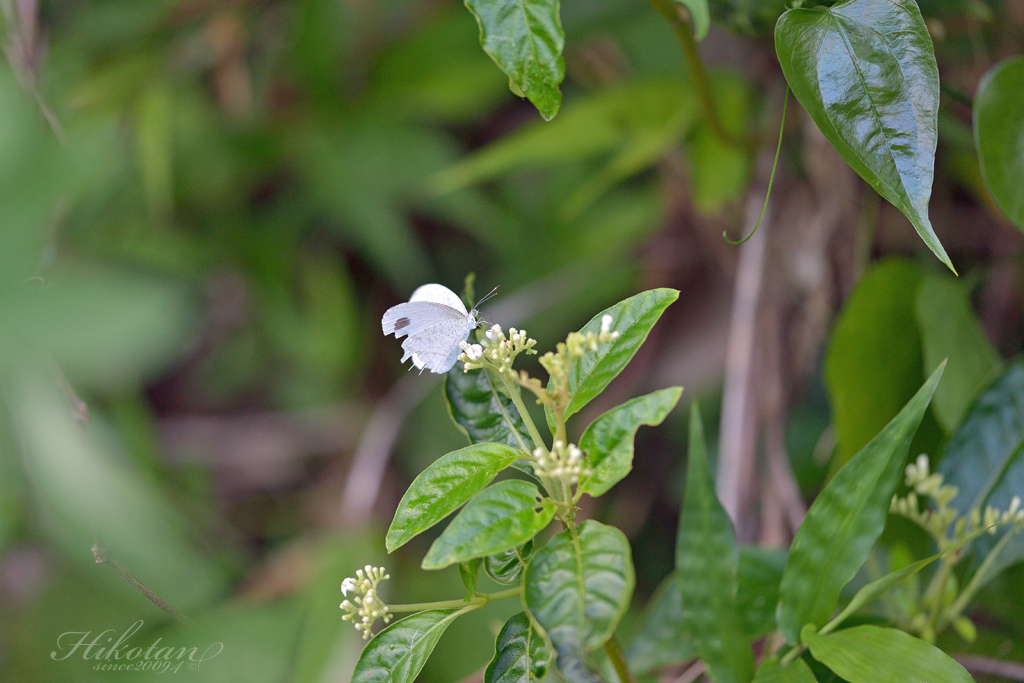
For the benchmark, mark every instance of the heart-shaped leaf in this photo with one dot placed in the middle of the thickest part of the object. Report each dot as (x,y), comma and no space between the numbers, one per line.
(845,520)
(525,39)
(865,71)
(577,587)
(498,518)
(520,654)
(608,441)
(397,654)
(999,136)
(444,486)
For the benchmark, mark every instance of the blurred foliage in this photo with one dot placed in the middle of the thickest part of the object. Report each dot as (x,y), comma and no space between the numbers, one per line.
(206,208)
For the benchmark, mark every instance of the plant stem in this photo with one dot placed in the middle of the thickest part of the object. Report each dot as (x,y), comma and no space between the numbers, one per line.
(103,558)
(976,582)
(684,33)
(478,600)
(517,399)
(791,655)
(618,660)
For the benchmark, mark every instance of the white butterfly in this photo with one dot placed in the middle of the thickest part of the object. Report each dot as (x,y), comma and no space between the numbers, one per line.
(436,321)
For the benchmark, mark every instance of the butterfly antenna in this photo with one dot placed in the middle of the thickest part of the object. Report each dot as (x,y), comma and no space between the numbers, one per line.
(487,296)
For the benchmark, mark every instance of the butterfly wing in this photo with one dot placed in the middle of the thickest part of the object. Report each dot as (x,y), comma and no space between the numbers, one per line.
(439,294)
(436,347)
(409,318)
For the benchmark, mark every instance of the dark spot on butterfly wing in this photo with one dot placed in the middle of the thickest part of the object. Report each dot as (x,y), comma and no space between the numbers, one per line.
(402,323)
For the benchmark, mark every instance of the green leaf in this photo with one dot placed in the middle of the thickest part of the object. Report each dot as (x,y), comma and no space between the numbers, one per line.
(507,566)
(520,654)
(482,410)
(868,654)
(444,486)
(845,520)
(757,588)
(865,71)
(949,329)
(886,583)
(498,518)
(620,121)
(608,441)
(877,321)
(661,639)
(398,653)
(525,40)
(633,320)
(998,136)
(985,458)
(707,558)
(469,571)
(577,588)
(796,671)
(700,16)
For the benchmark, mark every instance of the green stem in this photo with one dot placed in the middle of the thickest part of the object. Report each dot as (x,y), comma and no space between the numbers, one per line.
(517,399)
(936,589)
(977,581)
(684,33)
(618,660)
(791,655)
(771,178)
(478,600)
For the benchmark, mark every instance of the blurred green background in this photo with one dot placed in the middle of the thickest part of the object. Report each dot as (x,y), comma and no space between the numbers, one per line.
(206,206)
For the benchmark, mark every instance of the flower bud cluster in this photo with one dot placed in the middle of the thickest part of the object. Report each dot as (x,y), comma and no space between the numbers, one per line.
(938,518)
(495,350)
(557,363)
(366,607)
(564,462)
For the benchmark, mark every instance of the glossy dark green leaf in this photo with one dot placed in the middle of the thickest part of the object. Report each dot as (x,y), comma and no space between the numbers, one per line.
(525,40)
(661,639)
(865,71)
(845,520)
(949,329)
(878,321)
(608,441)
(520,654)
(868,654)
(444,486)
(398,653)
(771,671)
(633,320)
(707,561)
(985,458)
(577,588)
(700,16)
(507,566)
(498,518)
(482,410)
(998,131)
